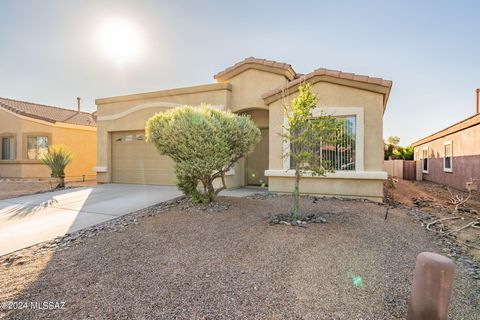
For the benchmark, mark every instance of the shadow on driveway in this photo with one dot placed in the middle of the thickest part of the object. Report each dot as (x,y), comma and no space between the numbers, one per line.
(28,220)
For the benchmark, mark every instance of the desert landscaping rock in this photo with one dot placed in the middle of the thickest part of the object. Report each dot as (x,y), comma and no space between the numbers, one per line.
(285,219)
(169,263)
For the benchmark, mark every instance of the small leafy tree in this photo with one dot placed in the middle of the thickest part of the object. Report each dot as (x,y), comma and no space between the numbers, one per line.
(393,140)
(204,144)
(390,147)
(388,151)
(405,153)
(304,133)
(57,159)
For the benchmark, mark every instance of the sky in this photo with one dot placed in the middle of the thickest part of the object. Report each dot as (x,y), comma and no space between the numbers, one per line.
(50,51)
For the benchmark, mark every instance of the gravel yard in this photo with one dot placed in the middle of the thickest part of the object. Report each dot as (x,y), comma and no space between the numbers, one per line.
(437,204)
(12,189)
(184,263)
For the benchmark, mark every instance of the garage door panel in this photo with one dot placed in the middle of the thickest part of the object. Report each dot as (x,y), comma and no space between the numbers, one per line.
(136,161)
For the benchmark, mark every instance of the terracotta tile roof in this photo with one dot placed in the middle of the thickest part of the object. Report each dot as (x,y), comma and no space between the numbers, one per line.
(459,126)
(331,73)
(48,113)
(263,62)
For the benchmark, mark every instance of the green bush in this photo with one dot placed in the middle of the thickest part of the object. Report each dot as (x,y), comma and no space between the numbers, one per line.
(204,144)
(57,159)
(405,153)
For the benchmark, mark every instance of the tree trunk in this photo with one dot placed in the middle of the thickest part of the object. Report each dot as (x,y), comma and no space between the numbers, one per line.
(224,185)
(210,195)
(61,184)
(296,193)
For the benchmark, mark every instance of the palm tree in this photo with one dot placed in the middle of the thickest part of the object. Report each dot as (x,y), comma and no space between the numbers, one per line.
(57,158)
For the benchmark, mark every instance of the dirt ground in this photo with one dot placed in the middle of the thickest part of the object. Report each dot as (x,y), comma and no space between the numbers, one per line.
(231,264)
(12,189)
(437,204)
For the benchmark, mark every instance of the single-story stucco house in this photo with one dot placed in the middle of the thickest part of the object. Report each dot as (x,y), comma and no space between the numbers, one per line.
(255,87)
(27,130)
(451,156)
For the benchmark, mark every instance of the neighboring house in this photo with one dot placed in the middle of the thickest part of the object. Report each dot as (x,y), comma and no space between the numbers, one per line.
(257,88)
(451,156)
(26,131)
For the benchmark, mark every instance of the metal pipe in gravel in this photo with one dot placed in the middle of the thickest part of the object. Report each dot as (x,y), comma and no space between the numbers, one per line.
(432,287)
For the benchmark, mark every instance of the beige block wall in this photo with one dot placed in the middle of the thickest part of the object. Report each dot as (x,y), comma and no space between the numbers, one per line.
(81,141)
(335,96)
(394,168)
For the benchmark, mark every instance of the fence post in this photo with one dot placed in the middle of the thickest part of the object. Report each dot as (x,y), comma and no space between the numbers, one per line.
(432,287)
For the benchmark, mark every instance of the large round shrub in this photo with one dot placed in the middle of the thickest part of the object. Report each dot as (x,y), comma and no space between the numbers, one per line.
(204,143)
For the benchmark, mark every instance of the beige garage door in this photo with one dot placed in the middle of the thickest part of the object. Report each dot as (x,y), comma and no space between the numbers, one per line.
(136,161)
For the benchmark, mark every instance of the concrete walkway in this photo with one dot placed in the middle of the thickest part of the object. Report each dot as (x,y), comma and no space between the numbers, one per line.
(28,220)
(243,192)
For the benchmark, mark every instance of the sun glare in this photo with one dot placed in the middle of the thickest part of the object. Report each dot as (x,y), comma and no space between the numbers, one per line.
(119,40)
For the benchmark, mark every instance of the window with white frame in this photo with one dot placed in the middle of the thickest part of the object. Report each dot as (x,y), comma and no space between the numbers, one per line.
(8,148)
(448,156)
(37,146)
(342,155)
(425,160)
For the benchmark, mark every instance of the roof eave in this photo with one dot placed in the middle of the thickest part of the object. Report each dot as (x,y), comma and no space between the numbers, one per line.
(456,127)
(165,93)
(226,75)
(277,94)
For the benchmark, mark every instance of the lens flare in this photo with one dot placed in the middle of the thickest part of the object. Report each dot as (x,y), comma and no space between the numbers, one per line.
(356,280)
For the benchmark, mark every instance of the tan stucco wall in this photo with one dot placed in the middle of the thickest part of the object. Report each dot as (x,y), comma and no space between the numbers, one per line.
(335,96)
(81,141)
(213,96)
(245,95)
(351,188)
(249,86)
(136,120)
(260,117)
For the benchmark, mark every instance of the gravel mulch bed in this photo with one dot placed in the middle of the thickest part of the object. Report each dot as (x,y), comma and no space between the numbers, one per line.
(16,188)
(175,261)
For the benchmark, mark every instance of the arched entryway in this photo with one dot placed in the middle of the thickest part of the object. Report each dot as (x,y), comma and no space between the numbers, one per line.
(256,163)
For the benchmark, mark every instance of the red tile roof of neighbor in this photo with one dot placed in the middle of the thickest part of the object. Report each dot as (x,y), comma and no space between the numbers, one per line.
(48,113)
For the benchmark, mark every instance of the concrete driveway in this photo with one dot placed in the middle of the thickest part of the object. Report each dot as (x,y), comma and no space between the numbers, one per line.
(27,220)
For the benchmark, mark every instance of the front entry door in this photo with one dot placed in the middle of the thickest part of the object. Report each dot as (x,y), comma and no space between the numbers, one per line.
(257,162)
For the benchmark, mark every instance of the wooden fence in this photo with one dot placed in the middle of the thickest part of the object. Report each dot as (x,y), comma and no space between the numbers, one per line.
(409,170)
